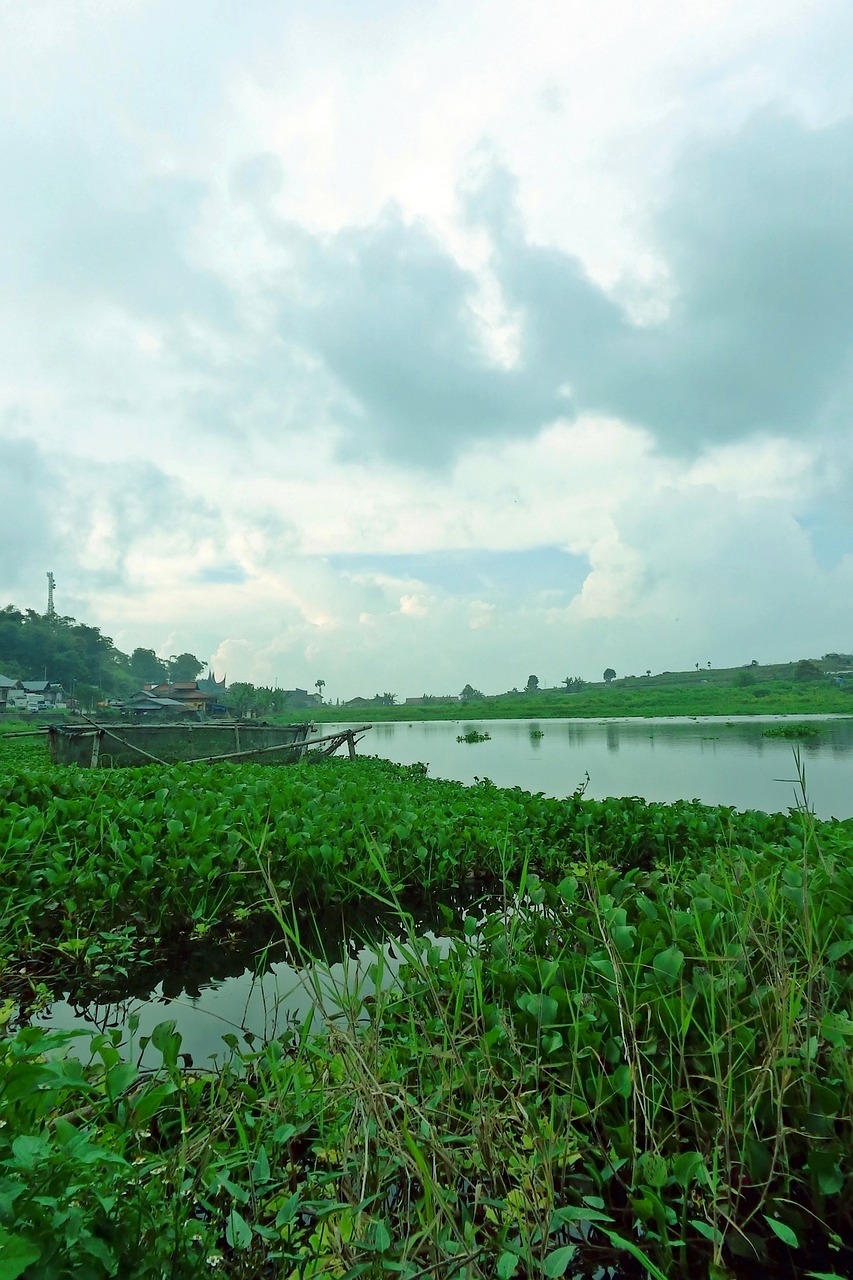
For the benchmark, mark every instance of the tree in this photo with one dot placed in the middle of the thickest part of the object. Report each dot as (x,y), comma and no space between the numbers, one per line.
(242,697)
(470,694)
(573,684)
(320,685)
(146,667)
(609,675)
(184,666)
(648,672)
(532,684)
(806,669)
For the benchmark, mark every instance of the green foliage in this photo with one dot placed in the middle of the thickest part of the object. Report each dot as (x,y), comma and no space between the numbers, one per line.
(649,1064)
(76,655)
(806,669)
(473,735)
(146,668)
(96,866)
(32,643)
(185,666)
(635,698)
(794,732)
(638,1047)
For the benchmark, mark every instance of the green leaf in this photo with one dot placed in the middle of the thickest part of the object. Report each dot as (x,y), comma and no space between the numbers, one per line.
(619,1242)
(29,1150)
(557,1262)
(651,1168)
(568,888)
(238,1233)
(621,1081)
(261,1166)
(542,1007)
(381,1236)
(119,1078)
(834,952)
(166,1040)
(147,1103)
(668,964)
(16,1254)
(574,1213)
(507,1265)
(688,1167)
(783,1231)
(287,1212)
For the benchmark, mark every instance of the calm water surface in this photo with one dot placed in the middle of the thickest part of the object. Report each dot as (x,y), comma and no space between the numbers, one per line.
(716,761)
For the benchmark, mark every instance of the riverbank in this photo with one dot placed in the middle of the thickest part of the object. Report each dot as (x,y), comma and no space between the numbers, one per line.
(642,1052)
(616,702)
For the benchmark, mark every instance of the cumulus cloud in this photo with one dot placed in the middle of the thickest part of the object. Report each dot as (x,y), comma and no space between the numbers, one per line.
(757,232)
(404,362)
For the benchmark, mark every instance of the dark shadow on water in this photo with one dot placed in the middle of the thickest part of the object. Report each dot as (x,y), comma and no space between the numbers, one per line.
(258,986)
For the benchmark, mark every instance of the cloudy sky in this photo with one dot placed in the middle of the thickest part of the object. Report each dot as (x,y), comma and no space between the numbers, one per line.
(407,344)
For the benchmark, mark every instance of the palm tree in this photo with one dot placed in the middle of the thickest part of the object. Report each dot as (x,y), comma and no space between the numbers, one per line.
(320,685)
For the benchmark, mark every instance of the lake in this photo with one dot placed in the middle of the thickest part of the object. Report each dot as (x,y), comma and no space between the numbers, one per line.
(716,761)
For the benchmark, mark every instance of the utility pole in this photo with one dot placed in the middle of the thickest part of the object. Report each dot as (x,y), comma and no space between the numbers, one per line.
(51,583)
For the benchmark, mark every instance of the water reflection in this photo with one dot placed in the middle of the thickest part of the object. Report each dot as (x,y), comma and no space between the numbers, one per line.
(256,992)
(716,760)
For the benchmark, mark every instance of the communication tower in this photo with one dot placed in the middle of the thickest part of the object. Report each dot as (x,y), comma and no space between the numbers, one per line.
(51,583)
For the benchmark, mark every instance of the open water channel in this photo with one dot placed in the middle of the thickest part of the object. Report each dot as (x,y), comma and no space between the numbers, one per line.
(729,762)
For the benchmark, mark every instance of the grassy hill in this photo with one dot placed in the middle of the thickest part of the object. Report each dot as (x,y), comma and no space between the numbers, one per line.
(807,686)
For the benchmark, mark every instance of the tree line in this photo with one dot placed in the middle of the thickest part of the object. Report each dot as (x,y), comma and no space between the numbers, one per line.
(36,646)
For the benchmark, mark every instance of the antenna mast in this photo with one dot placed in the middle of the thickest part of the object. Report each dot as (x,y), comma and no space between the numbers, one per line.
(51,583)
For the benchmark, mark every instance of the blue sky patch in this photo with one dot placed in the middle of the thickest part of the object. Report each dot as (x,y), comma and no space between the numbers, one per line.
(478,572)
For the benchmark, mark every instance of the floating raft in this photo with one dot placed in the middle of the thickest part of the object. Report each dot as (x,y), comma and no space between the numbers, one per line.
(93,746)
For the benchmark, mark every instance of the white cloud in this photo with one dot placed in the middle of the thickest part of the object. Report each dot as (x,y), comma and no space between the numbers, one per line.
(404,345)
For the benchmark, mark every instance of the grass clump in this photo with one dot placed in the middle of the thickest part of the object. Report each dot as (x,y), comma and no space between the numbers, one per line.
(794,732)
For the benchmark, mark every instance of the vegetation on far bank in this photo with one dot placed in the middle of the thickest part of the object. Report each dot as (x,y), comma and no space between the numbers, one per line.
(634,1048)
(630,699)
(81,658)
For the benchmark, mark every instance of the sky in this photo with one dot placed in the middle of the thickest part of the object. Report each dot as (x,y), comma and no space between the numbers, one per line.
(407,345)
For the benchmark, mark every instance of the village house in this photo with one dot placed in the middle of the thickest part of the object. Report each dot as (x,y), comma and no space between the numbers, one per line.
(30,695)
(183,694)
(7,686)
